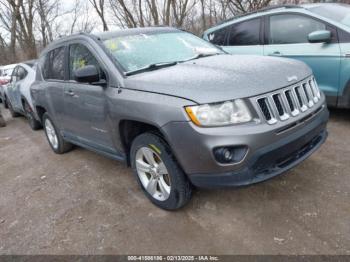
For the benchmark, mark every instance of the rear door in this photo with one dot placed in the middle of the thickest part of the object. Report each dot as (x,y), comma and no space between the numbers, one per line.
(8,90)
(53,71)
(287,36)
(240,38)
(85,104)
(245,37)
(16,89)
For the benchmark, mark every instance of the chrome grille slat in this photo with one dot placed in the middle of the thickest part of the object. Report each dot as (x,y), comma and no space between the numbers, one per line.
(308,94)
(285,103)
(273,108)
(292,101)
(289,102)
(301,98)
(315,90)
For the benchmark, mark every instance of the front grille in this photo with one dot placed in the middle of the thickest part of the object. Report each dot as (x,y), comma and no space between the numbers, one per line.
(289,102)
(264,108)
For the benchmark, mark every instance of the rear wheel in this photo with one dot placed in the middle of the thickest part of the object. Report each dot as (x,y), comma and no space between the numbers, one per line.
(56,141)
(5,102)
(34,124)
(158,173)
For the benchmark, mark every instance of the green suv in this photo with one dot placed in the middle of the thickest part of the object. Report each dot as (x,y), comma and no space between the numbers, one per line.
(317,34)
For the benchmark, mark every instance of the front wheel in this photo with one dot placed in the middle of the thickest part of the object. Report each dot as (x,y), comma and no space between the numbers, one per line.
(158,173)
(56,141)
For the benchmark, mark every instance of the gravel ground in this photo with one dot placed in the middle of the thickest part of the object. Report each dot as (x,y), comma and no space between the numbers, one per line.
(84,203)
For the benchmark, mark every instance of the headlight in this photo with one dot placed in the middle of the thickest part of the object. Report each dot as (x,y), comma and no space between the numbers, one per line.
(220,114)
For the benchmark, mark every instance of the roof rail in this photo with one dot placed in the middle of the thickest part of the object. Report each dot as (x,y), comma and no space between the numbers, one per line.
(265,9)
(74,34)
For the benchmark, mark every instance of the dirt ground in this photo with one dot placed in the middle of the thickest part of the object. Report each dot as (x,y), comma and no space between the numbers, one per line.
(84,203)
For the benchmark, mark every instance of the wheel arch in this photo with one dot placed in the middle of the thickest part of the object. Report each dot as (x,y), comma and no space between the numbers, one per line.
(130,129)
(344,99)
(23,101)
(40,111)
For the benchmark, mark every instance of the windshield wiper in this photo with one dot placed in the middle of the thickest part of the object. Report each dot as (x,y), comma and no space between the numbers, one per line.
(150,67)
(201,55)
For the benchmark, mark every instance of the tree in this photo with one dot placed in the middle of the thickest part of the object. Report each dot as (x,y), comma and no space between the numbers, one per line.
(48,11)
(99,6)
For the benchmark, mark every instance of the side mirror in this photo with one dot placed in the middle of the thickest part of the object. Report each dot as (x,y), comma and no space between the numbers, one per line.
(322,36)
(87,74)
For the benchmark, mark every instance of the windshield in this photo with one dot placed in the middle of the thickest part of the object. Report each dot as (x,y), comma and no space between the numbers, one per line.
(135,52)
(339,13)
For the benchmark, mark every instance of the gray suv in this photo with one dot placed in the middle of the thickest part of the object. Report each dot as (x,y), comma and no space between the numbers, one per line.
(178,110)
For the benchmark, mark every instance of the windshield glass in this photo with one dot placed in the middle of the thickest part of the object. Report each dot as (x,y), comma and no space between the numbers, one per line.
(339,13)
(135,52)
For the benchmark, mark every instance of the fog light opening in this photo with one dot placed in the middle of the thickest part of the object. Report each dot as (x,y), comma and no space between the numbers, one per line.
(229,155)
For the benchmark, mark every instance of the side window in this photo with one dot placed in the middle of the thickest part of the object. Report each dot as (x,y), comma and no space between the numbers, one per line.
(245,33)
(21,73)
(80,56)
(14,78)
(57,64)
(45,65)
(218,37)
(52,64)
(292,29)
(344,37)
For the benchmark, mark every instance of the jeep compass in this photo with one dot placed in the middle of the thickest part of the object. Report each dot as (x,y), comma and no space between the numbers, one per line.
(178,110)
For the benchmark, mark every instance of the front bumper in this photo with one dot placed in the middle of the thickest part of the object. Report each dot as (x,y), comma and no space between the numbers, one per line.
(269,153)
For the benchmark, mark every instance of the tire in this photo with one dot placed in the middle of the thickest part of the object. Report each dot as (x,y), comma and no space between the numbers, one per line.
(170,188)
(6,105)
(13,112)
(33,123)
(58,145)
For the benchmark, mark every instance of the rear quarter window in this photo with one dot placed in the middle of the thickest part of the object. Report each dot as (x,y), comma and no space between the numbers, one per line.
(218,37)
(52,64)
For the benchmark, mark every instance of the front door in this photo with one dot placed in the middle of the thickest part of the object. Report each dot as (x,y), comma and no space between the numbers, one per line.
(85,104)
(287,36)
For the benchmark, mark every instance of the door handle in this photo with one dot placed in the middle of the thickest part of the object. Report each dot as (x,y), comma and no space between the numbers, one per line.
(69,93)
(347,55)
(276,53)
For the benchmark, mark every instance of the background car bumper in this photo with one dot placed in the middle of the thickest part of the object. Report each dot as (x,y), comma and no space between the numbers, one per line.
(268,154)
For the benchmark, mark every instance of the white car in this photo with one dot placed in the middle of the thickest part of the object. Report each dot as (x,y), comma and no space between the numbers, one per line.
(5,76)
(17,93)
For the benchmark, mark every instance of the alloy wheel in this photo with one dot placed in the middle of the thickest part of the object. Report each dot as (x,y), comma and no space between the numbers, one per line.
(51,133)
(153,173)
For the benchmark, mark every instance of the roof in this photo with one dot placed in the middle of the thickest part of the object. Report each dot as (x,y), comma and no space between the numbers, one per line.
(308,6)
(266,9)
(277,8)
(135,31)
(8,66)
(30,62)
(110,34)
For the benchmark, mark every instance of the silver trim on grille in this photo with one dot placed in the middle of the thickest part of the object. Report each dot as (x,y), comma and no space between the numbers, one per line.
(289,102)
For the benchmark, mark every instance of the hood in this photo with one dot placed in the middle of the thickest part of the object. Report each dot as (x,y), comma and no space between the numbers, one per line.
(222,77)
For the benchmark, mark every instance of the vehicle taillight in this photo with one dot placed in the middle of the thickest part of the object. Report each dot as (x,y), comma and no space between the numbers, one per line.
(3,81)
